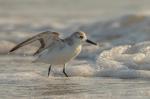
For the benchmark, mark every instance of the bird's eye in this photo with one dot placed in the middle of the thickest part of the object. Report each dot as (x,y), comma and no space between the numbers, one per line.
(81,37)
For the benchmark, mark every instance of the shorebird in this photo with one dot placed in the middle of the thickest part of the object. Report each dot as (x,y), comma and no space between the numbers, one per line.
(54,50)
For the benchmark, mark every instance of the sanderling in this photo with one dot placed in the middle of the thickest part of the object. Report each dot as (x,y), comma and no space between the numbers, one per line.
(54,50)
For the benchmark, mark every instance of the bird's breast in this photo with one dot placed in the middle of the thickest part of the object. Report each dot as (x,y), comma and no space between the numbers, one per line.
(78,50)
(61,55)
(72,52)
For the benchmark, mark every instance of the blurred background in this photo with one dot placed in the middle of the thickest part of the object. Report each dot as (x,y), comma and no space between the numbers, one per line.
(121,28)
(117,21)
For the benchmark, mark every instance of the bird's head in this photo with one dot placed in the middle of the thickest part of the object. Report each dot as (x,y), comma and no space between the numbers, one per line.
(81,37)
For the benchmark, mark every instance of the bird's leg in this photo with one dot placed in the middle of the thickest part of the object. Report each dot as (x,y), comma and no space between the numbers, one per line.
(64,71)
(49,70)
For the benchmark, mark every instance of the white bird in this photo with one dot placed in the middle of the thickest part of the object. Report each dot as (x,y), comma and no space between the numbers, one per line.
(54,50)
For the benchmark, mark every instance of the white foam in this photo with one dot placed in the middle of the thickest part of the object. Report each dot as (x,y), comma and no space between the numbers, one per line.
(128,61)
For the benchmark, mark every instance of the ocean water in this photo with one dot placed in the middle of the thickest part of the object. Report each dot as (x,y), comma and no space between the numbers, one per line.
(21,79)
(118,68)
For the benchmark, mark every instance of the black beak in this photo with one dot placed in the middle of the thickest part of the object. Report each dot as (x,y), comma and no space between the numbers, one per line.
(91,42)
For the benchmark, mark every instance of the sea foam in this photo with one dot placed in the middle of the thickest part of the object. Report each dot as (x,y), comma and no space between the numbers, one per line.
(126,61)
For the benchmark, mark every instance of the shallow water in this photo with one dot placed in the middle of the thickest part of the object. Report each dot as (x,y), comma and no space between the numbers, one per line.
(86,88)
(22,79)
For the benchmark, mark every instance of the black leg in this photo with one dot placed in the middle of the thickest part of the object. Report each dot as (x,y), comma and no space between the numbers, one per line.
(64,71)
(49,70)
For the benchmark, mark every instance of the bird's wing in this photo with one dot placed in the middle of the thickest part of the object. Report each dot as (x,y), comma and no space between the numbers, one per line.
(45,38)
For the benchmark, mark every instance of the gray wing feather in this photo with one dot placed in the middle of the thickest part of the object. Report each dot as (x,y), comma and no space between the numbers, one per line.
(45,38)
